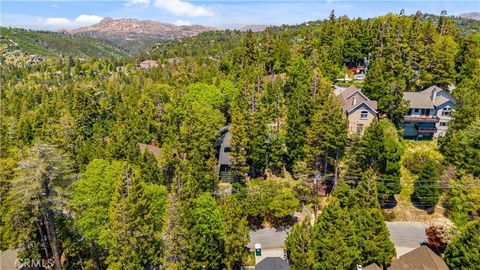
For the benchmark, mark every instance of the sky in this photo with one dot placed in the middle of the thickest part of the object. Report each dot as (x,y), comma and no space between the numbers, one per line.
(55,15)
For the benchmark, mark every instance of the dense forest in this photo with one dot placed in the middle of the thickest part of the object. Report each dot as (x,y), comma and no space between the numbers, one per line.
(76,189)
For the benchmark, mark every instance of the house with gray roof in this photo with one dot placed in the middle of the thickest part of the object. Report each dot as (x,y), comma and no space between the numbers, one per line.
(225,157)
(429,113)
(358,108)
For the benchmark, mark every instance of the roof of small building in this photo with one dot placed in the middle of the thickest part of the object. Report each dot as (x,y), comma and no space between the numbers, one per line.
(273,77)
(152,149)
(149,64)
(372,266)
(272,263)
(421,258)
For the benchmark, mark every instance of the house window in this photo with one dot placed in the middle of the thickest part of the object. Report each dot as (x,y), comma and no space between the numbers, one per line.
(425,112)
(416,110)
(443,124)
(446,111)
(364,115)
(360,128)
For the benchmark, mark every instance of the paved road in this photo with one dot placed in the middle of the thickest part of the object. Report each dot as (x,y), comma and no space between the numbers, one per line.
(269,238)
(406,236)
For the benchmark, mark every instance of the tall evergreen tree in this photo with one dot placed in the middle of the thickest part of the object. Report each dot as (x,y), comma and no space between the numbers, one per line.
(326,135)
(298,94)
(175,247)
(372,234)
(133,241)
(37,193)
(206,234)
(333,244)
(464,251)
(427,190)
(236,232)
(380,149)
(297,243)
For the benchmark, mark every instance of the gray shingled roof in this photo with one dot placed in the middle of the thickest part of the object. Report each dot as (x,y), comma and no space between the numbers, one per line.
(423,99)
(225,158)
(420,100)
(272,263)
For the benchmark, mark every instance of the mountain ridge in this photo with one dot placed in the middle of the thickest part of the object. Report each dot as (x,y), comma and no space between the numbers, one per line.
(137,35)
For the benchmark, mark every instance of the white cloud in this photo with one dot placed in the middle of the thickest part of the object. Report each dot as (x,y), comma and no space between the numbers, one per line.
(82,20)
(182,22)
(143,3)
(88,19)
(58,22)
(182,8)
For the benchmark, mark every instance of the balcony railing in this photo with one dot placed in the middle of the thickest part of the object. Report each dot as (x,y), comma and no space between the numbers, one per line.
(421,118)
(426,130)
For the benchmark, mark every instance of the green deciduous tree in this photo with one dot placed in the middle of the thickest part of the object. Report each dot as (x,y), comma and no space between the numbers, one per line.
(91,197)
(463,200)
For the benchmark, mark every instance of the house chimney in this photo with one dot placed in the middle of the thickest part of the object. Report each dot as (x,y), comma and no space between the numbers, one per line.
(354,101)
(434,94)
(153,142)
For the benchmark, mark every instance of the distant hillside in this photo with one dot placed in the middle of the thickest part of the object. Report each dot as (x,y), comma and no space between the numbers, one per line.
(138,35)
(45,43)
(470,15)
(254,27)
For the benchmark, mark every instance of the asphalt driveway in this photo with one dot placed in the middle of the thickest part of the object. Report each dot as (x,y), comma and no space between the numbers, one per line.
(406,236)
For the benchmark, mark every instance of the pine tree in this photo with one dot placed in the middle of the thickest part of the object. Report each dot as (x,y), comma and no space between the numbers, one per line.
(333,244)
(297,92)
(133,241)
(464,251)
(373,238)
(38,197)
(443,61)
(239,142)
(326,134)
(297,243)
(91,197)
(427,191)
(371,232)
(149,169)
(380,149)
(175,247)
(206,234)
(236,232)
